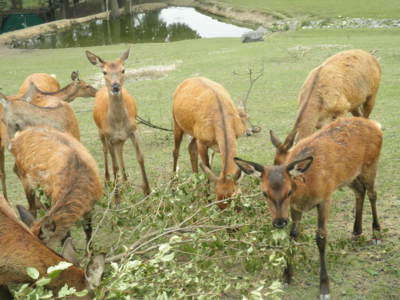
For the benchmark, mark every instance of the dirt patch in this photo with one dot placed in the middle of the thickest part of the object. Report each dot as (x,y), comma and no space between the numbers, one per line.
(145,73)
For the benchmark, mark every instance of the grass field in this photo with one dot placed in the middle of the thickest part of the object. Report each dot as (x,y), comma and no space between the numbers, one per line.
(357,270)
(323,9)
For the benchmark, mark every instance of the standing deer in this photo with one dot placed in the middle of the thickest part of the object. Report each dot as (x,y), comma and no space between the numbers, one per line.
(77,88)
(346,82)
(114,113)
(66,172)
(345,152)
(21,249)
(204,109)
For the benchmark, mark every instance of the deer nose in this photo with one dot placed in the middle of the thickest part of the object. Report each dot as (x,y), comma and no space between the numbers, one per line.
(279,223)
(115,87)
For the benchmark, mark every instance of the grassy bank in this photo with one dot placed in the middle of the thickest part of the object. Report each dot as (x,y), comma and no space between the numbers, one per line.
(324,9)
(222,264)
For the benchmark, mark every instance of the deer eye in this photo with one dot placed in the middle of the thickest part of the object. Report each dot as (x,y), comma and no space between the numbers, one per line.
(105,73)
(289,193)
(265,195)
(123,71)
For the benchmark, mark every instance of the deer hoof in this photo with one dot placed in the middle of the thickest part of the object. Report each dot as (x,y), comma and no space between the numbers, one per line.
(324,296)
(376,241)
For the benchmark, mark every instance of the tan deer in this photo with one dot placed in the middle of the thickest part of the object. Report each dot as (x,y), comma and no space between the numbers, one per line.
(77,88)
(204,109)
(345,152)
(21,249)
(346,82)
(65,171)
(114,113)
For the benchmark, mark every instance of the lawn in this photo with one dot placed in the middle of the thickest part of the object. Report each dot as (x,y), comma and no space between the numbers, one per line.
(323,9)
(225,264)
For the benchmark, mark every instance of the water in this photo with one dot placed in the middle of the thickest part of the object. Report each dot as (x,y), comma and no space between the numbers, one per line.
(169,24)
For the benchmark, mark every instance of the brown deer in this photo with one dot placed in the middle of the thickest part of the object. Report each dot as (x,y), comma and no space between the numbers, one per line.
(346,82)
(21,249)
(19,114)
(77,88)
(345,152)
(114,113)
(204,109)
(68,175)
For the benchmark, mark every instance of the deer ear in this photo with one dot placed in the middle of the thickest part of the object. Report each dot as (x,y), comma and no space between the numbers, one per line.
(94,270)
(125,55)
(68,252)
(94,59)
(298,167)
(248,167)
(288,143)
(74,75)
(25,216)
(274,139)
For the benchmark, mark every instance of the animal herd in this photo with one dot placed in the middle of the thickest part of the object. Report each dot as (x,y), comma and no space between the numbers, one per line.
(325,150)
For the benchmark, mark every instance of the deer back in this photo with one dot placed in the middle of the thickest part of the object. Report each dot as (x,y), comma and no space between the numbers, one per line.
(64,169)
(43,81)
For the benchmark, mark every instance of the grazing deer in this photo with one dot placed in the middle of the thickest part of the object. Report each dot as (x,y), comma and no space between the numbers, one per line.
(345,152)
(345,82)
(77,88)
(204,109)
(68,175)
(21,249)
(114,113)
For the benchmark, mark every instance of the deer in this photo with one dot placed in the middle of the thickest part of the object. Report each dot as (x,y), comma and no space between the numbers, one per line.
(19,114)
(346,82)
(114,113)
(66,172)
(77,88)
(22,249)
(343,153)
(41,87)
(204,109)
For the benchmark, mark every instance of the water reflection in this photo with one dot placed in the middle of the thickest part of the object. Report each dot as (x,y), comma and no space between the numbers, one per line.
(170,24)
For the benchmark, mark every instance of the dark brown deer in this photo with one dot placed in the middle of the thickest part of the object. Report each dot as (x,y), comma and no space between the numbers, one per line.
(21,249)
(66,172)
(346,82)
(114,113)
(204,109)
(345,152)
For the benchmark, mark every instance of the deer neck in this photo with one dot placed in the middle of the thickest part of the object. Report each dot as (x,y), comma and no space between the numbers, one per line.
(67,93)
(117,110)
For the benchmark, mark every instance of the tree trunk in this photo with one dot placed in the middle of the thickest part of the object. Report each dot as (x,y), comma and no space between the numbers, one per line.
(65,9)
(16,4)
(128,7)
(115,13)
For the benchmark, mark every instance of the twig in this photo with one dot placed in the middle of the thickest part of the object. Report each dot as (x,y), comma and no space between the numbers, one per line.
(148,123)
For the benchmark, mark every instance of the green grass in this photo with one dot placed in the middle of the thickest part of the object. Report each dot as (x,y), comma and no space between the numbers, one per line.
(357,271)
(328,8)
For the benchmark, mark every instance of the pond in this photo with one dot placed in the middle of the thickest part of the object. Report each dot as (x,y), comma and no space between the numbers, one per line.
(165,25)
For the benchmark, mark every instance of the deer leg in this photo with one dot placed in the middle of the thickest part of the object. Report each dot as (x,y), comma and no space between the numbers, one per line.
(203,153)
(178,134)
(320,237)
(5,293)
(105,153)
(87,227)
(194,155)
(140,159)
(119,149)
(369,105)
(2,173)
(359,190)
(111,148)
(296,217)
(356,112)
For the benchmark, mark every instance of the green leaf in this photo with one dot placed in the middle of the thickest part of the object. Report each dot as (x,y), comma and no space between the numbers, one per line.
(63,265)
(81,293)
(43,281)
(32,273)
